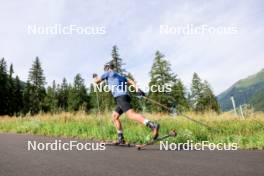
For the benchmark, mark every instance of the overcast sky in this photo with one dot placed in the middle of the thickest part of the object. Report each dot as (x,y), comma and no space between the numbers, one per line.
(134,26)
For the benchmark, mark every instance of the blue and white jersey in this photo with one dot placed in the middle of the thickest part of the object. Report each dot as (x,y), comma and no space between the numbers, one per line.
(116,82)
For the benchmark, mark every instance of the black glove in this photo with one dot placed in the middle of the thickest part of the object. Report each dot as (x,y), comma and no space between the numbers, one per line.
(141,93)
(95,75)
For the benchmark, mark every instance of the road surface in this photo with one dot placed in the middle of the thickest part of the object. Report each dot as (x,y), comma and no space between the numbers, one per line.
(16,160)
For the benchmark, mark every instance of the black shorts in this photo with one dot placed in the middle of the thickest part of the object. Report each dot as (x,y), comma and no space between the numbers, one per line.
(123,104)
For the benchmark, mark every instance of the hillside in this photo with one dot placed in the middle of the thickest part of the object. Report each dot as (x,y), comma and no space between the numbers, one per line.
(257,100)
(243,91)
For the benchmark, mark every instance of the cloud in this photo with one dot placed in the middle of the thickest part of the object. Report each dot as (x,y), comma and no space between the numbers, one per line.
(134,27)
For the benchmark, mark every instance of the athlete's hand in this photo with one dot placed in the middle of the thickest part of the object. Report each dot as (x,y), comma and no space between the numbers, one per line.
(97,80)
(141,93)
(94,75)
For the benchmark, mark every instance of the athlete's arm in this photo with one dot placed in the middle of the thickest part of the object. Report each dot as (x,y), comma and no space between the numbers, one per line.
(133,83)
(96,78)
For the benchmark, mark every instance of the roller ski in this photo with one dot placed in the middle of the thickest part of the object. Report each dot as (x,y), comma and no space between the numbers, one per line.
(172,133)
(120,142)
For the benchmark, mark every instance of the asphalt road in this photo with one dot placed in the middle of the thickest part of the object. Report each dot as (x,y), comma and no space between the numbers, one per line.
(16,160)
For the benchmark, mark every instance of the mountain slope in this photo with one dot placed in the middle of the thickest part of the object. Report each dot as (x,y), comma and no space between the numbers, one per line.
(242,91)
(257,100)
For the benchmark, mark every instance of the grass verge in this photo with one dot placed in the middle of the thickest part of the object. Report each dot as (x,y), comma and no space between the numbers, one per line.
(247,133)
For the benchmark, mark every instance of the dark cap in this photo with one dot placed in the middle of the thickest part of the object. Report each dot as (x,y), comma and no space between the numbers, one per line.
(108,66)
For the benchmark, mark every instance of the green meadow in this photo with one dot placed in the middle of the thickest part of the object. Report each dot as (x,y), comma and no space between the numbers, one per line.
(248,133)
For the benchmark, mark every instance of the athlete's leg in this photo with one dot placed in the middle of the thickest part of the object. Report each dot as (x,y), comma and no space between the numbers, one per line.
(116,121)
(124,104)
(131,114)
(115,117)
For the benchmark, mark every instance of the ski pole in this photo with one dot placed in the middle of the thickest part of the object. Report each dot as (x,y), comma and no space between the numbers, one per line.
(97,98)
(98,105)
(185,116)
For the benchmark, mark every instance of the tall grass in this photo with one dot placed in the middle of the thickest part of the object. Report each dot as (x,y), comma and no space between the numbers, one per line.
(248,133)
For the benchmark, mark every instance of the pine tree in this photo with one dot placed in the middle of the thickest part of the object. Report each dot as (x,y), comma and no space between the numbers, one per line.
(197,93)
(63,95)
(179,96)
(161,76)
(117,61)
(3,87)
(27,104)
(51,99)
(18,94)
(78,97)
(209,99)
(11,92)
(202,97)
(37,81)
